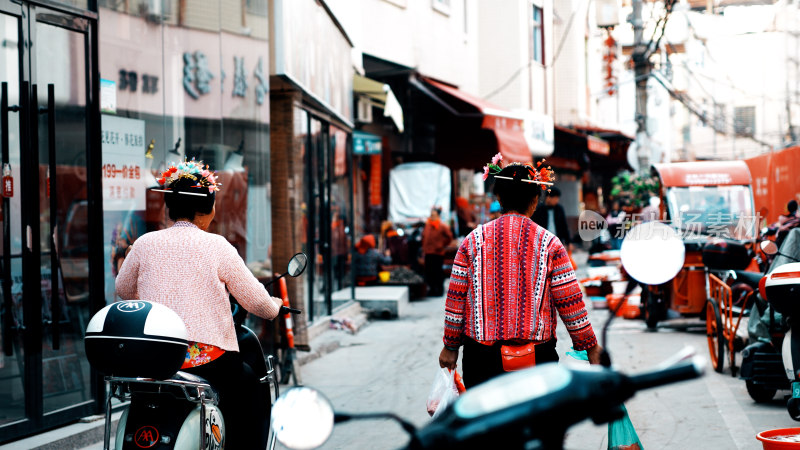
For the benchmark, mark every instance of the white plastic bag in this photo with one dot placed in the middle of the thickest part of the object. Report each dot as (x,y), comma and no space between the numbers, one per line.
(443,392)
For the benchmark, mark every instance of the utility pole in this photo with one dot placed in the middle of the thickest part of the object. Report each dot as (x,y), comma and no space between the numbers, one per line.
(641,65)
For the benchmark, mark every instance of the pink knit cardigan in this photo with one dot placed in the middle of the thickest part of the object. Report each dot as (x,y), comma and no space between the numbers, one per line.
(191,272)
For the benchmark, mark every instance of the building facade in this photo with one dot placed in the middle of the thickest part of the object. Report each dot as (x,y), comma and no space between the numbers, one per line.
(112,94)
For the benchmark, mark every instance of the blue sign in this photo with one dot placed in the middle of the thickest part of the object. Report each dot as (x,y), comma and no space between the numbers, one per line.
(366,143)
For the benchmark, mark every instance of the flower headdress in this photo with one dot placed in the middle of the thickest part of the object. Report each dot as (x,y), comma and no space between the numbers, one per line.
(193,170)
(540,174)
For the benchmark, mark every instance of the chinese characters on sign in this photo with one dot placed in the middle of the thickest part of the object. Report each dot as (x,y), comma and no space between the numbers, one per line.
(196,74)
(261,82)
(129,80)
(197,77)
(8,182)
(123,164)
(239,77)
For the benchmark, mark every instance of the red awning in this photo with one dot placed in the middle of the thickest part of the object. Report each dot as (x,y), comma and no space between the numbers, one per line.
(507,127)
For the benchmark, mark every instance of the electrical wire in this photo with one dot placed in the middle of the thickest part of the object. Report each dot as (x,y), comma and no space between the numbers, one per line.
(687,102)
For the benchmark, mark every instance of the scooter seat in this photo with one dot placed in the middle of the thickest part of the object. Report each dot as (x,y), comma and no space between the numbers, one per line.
(750,278)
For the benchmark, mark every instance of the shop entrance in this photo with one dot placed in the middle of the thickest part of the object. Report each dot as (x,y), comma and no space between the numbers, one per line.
(48,117)
(329,212)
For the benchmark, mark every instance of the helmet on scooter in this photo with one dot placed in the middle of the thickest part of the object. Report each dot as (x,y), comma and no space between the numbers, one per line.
(136,338)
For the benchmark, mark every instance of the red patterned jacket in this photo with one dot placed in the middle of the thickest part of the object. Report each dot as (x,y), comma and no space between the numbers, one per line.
(510,278)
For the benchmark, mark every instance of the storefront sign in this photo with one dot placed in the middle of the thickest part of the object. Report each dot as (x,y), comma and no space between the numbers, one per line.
(129,80)
(196,74)
(539,134)
(597,145)
(123,164)
(339,151)
(375,197)
(215,74)
(8,182)
(197,77)
(366,143)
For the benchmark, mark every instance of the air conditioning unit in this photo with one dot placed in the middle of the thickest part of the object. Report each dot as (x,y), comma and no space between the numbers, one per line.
(364,107)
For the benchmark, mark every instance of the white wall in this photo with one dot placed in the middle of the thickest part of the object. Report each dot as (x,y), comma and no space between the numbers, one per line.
(570,65)
(415,34)
(504,54)
(507,75)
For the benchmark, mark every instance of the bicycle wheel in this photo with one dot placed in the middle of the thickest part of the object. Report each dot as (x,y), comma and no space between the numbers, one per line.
(716,341)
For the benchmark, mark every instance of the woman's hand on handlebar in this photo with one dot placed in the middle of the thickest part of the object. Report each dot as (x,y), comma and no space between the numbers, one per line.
(448,358)
(594,354)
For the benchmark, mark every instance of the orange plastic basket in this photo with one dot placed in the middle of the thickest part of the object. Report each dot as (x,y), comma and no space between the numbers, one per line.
(769,443)
(613,300)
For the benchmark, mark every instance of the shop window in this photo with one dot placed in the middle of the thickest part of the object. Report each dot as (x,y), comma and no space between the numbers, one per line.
(153,10)
(537,35)
(744,120)
(258,7)
(443,6)
(400,3)
(82,4)
(719,118)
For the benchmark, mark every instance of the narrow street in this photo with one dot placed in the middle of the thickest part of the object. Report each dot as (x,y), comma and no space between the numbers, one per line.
(389,365)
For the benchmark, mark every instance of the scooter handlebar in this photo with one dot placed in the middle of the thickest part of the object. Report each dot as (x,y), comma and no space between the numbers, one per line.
(679,372)
(287,310)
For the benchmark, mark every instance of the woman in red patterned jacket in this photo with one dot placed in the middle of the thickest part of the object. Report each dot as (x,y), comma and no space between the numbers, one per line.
(510,279)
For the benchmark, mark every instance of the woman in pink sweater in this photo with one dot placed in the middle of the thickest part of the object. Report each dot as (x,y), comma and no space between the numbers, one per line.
(192,272)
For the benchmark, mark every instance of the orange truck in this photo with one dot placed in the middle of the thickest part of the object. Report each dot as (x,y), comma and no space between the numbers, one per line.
(710,204)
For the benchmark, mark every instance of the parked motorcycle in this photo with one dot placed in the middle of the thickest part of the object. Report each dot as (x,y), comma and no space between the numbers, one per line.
(767,360)
(531,408)
(140,346)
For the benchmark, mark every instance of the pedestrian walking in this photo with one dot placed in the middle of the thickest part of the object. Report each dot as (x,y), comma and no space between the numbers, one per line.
(510,279)
(435,238)
(553,218)
(616,226)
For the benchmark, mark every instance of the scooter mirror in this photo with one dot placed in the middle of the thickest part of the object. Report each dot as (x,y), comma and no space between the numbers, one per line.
(302,418)
(769,247)
(652,253)
(297,264)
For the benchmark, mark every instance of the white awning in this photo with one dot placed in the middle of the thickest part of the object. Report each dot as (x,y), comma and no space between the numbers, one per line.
(380,95)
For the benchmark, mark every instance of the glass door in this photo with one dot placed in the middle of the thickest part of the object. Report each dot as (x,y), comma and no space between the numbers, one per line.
(318,163)
(48,120)
(13,392)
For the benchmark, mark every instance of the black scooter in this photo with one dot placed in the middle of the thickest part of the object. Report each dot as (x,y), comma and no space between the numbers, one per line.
(170,409)
(530,409)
